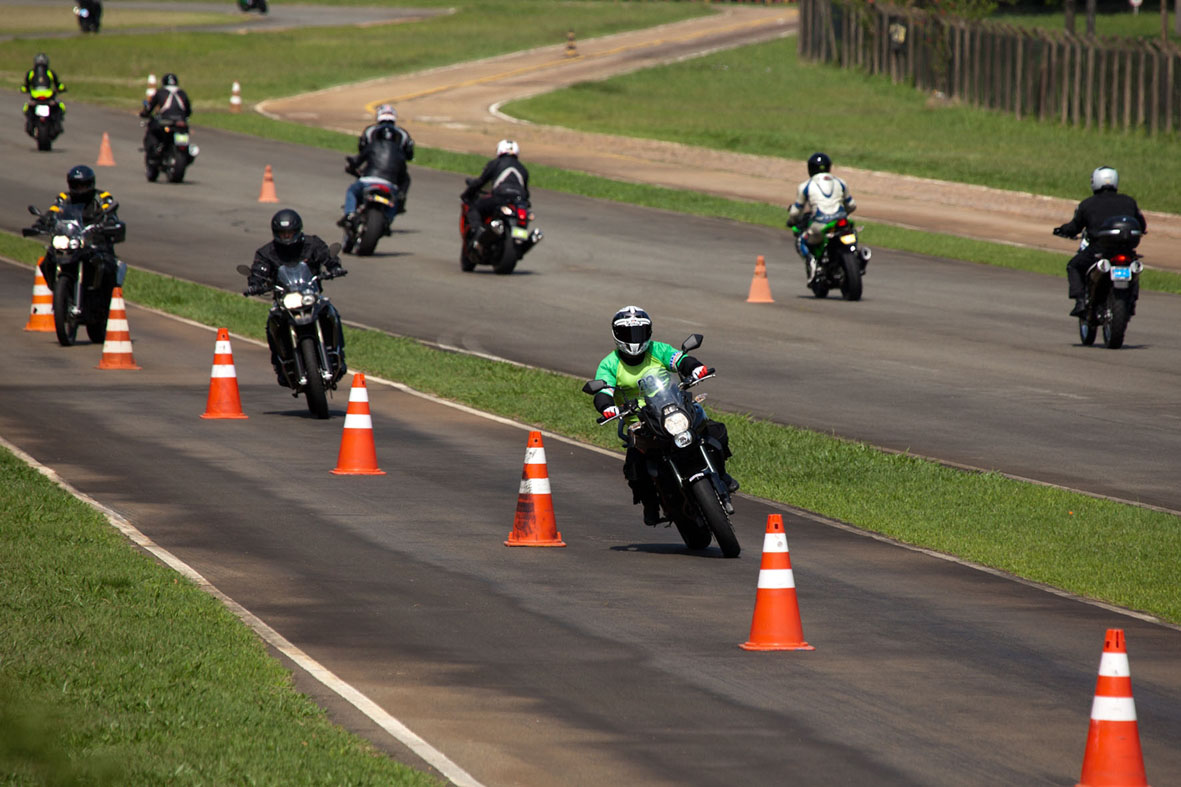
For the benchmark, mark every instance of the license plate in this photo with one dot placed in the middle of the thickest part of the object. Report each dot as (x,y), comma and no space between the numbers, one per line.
(849,239)
(42,110)
(520,233)
(182,139)
(1121,274)
(379,198)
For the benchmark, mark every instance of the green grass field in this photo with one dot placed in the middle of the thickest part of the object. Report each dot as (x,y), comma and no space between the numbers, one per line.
(1145,24)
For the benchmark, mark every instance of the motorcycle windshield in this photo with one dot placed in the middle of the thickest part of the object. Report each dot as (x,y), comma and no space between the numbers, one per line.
(69,221)
(659,389)
(294,278)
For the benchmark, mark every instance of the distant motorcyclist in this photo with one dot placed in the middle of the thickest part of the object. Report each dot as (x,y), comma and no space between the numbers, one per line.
(42,83)
(1104,203)
(636,355)
(387,117)
(167,105)
(505,176)
(382,161)
(289,245)
(820,199)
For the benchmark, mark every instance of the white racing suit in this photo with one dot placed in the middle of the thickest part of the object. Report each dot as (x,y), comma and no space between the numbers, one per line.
(819,200)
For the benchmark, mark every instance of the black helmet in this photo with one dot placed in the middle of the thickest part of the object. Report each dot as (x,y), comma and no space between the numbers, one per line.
(80,180)
(631,328)
(287,227)
(819,162)
(41,59)
(169,80)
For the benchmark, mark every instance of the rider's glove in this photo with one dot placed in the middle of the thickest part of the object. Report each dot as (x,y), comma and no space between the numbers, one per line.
(698,373)
(1061,232)
(611,412)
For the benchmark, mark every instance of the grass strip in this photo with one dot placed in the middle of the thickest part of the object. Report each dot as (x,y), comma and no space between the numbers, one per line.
(116,671)
(1118,553)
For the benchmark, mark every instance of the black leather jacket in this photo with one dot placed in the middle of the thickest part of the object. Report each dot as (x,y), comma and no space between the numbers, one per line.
(1096,209)
(504,176)
(382,158)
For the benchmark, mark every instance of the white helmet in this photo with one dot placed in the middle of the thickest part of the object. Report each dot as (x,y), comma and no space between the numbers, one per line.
(387,114)
(1104,178)
(507,147)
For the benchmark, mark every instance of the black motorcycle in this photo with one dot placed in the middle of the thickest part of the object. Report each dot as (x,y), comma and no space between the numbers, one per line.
(81,269)
(840,262)
(253,5)
(672,431)
(43,118)
(368,223)
(501,241)
(90,15)
(174,155)
(1113,281)
(307,338)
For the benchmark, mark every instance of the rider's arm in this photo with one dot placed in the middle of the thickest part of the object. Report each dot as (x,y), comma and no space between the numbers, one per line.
(849,203)
(261,272)
(607,373)
(798,208)
(187,104)
(474,188)
(407,146)
(1075,225)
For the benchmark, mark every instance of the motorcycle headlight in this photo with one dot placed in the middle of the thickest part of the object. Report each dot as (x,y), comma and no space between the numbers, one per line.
(675,423)
(308,299)
(293,300)
(61,242)
(683,439)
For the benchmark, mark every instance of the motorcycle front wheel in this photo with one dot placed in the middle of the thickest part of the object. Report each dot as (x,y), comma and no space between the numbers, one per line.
(715,516)
(315,394)
(851,283)
(1113,330)
(44,140)
(64,321)
(96,328)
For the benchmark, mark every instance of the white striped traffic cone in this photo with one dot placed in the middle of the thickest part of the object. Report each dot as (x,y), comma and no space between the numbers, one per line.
(358,454)
(534,524)
(223,400)
(235,98)
(117,346)
(776,623)
(1113,757)
(41,312)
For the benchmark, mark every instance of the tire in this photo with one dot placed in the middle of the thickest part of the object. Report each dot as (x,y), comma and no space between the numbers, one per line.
(315,394)
(711,508)
(152,172)
(851,283)
(348,242)
(64,323)
(44,140)
(96,329)
(466,263)
(819,290)
(1113,331)
(1087,331)
(373,230)
(176,172)
(508,257)
(695,533)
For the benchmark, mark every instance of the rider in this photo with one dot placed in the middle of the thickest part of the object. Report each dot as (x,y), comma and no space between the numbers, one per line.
(41,82)
(636,355)
(290,246)
(819,199)
(380,161)
(509,179)
(171,104)
(1104,203)
(388,116)
(98,207)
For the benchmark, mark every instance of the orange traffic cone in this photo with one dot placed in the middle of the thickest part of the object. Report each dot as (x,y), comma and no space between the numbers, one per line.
(267,192)
(760,286)
(776,624)
(358,455)
(534,525)
(1113,754)
(105,157)
(235,98)
(117,346)
(223,400)
(41,312)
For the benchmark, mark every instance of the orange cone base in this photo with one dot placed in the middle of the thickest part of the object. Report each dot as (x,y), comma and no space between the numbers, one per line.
(222,416)
(533,527)
(41,323)
(784,646)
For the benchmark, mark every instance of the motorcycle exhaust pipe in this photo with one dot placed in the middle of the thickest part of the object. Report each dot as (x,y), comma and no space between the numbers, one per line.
(866,254)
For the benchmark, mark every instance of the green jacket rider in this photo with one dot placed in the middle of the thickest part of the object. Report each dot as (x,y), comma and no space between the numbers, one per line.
(41,82)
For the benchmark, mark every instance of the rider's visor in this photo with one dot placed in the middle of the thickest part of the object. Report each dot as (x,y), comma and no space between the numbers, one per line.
(633,334)
(286,236)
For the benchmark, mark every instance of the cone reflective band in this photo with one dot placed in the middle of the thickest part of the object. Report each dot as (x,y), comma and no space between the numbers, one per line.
(1113,757)
(117,346)
(534,524)
(358,454)
(776,622)
(223,401)
(41,310)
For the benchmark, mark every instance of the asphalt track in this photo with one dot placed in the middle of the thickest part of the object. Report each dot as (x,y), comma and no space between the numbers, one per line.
(614,660)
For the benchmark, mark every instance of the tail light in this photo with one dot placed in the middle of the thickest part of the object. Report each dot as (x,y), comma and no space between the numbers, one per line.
(522,215)
(842,223)
(1120,259)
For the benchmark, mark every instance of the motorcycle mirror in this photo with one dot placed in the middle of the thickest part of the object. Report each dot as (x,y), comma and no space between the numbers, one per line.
(244,270)
(691,343)
(34,211)
(593,386)
(334,249)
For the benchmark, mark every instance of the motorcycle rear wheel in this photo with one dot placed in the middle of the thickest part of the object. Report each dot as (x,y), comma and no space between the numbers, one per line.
(372,231)
(1113,331)
(711,508)
(64,322)
(176,170)
(508,258)
(851,283)
(315,394)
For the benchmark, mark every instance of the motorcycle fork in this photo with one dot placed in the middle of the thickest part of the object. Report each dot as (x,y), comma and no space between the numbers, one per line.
(301,374)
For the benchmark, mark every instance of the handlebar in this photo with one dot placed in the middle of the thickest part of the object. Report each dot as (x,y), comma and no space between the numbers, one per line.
(633,406)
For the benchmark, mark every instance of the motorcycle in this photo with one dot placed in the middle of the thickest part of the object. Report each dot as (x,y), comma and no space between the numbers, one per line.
(253,5)
(369,222)
(81,270)
(502,240)
(43,117)
(311,352)
(681,455)
(840,262)
(1112,280)
(175,154)
(90,14)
